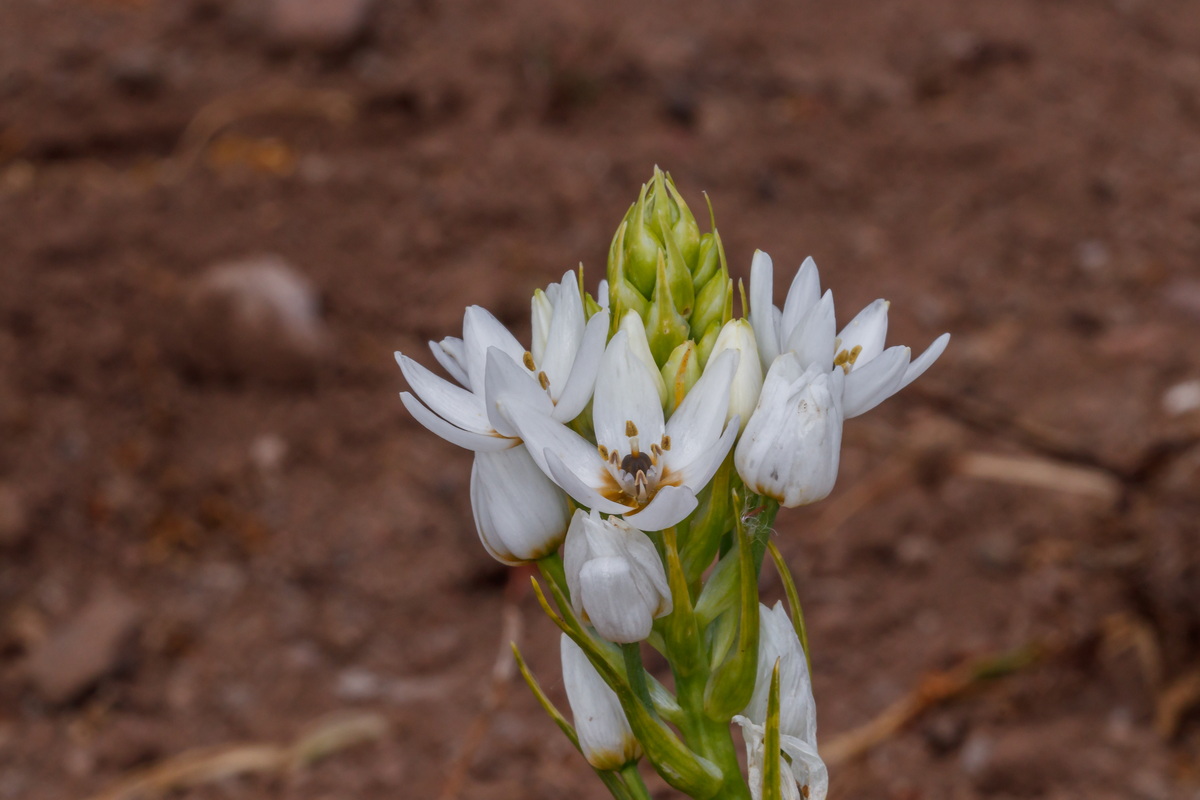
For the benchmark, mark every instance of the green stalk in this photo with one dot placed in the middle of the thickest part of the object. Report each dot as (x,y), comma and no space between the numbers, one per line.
(634,783)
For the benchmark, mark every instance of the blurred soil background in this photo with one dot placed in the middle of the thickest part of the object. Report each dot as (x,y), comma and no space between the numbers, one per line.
(218,526)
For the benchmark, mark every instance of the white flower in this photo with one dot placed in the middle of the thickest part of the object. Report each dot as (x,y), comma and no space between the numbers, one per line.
(520,514)
(806,327)
(641,467)
(617,581)
(792,445)
(605,737)
(738,334)
(563,361)
(777,641)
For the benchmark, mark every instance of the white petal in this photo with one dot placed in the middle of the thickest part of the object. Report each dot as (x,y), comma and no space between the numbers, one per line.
(566,334)
(582,381)
(635,329)
(867,330)
(669,507)
(637,547)
(481,331)
(468,439)
(541,312)
(625,393)
(449,353)
(807,768)
(453,403)
(812,340)
(509,383)
(520,514)
(763,315)
(542,433)
(924,361)
(696,425)
(699,471)
(602,294)
(618,604)
(803,294)
(604,734)
(877,381)
(582,484)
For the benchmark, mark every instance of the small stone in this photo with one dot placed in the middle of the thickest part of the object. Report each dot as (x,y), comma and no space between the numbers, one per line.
(89,648)
(1092,256)
(253,319)
(14,519)
(1180,399)
(322,25)
(357,684)
(945,732)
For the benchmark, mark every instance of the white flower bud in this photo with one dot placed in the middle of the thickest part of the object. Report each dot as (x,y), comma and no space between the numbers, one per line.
(639,345)
(792,445)
(604,733)
(738,335)
(617,581)
(521,515)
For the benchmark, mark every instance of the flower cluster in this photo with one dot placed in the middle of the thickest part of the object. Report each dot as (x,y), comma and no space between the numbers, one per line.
(644,434)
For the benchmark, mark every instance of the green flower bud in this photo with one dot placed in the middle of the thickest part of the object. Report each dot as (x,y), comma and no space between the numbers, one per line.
(716,295)
(623,296)
(666,329)
(680,373)
(708,259)
(705,346)
(684,231)
(679,279)
(639,245)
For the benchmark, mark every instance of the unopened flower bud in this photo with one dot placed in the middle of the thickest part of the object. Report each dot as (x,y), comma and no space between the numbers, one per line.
(616,578)
(605,737)
(680,373)
(666,328)
(747,383)
(520,514)
(792,444)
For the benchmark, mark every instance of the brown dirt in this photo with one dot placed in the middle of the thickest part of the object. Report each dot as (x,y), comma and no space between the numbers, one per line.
(1021,174)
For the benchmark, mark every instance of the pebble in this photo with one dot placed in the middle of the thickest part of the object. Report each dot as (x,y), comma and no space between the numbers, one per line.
(257,319)
(1180,399)
(321,25)
(90,647)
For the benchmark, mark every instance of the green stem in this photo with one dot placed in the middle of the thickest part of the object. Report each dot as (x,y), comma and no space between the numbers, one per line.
(634,783)
(552,570)
(636,673)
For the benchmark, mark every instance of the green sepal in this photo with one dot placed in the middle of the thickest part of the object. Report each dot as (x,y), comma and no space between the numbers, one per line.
(793,598)
(683,769)
(640,246)
(622,295)
(731,685)
(721,637)
(720,591)
(679,277)
(710,521)
(684,231)
(665,328)
(708,261)
(680,373)
(707,342)
(611,780)
(772,778)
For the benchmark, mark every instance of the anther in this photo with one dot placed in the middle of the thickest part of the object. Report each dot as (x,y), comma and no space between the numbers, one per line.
(630,428)
(527,360)
(666,442)
(603,452)
(543,380)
